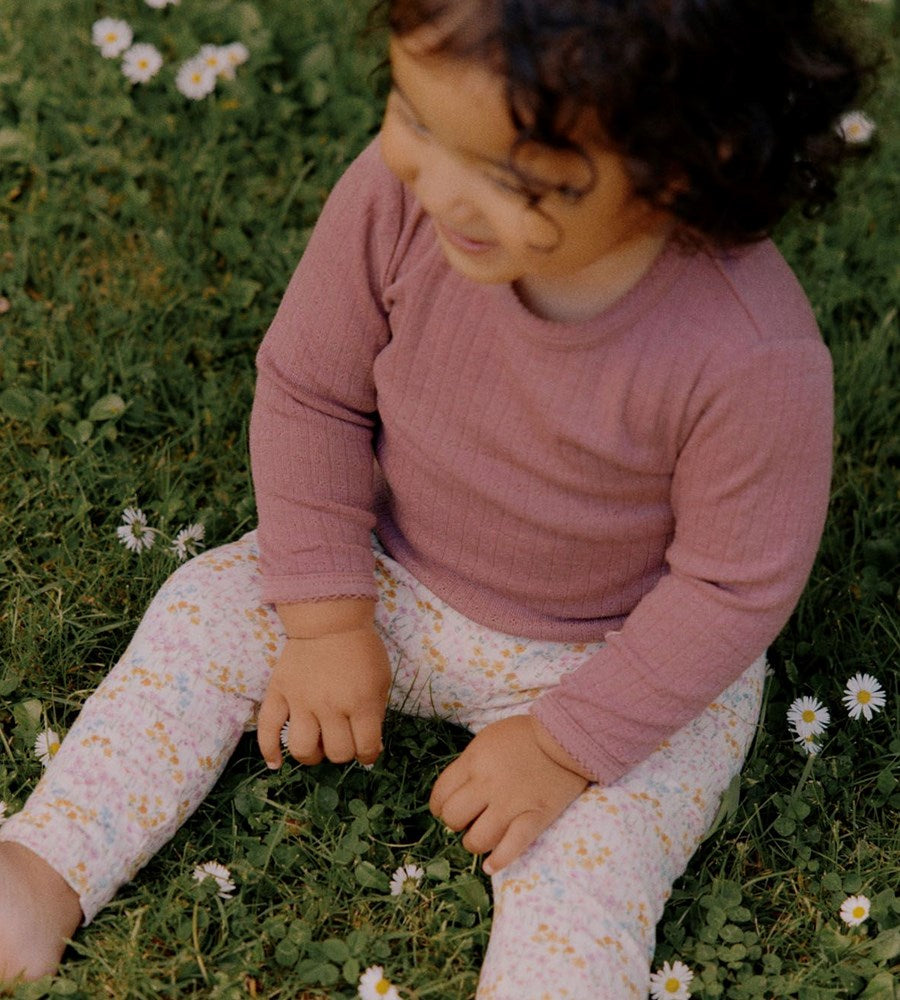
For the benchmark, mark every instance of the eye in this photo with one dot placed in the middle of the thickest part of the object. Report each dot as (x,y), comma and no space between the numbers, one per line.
(512,187)
(530,194)
(570,193)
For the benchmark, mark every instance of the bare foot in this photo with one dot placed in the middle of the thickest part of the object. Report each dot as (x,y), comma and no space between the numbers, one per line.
(38,911)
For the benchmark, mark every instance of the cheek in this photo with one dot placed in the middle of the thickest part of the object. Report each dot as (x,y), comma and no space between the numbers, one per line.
(533,231)
(398,152)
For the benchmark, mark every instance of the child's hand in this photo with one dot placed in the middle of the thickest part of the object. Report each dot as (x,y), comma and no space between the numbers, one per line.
(507,787)
(333,690)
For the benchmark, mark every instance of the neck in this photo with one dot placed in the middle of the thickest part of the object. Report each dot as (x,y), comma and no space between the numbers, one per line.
(570,298)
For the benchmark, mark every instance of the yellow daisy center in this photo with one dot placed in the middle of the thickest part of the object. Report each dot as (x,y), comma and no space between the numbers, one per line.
(672,985)
(382,986)
(864,697)
(859,912)
(111,37)
(808,715)
(52,749)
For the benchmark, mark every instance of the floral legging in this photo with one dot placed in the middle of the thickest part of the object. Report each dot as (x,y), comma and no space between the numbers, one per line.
(574,916)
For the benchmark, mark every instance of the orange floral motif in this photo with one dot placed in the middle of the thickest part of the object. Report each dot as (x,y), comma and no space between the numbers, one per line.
(574,910)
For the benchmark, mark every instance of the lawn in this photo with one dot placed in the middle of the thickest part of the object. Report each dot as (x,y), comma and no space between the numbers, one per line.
(145,240)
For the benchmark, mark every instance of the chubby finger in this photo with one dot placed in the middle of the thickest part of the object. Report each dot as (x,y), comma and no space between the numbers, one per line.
(452,778)
(305,738)
(366,731)
(486,832)
(518,837)
(337,739)
(273,713)
(463,807)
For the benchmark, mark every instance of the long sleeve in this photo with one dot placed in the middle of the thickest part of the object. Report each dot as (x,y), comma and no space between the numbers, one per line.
(749,495)
(655,476)
(315,408)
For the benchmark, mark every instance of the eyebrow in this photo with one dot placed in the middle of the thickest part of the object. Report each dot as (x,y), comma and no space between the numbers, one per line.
(507,165)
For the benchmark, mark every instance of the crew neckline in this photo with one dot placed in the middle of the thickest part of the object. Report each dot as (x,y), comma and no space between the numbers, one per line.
(643,295)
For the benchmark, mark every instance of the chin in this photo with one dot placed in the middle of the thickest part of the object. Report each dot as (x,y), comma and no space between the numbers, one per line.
(480,268)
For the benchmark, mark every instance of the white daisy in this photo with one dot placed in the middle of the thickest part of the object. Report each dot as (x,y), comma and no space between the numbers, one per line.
(159,4)
(46,746)
(111,36)
(141,62)
(374,986)
(855,910)
(808,717)
(222,876)
(864,696)
(134,533)
(3,816)
(214,58)
(187,540)
(671,982)
(406,879)
(855,127)
(284,736)
(195,79)
(233,55)
(809,742)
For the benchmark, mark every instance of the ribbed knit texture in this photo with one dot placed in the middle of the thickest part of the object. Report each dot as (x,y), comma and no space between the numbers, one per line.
(657,475)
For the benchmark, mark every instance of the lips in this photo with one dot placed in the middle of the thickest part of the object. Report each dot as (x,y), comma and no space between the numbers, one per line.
(462,242)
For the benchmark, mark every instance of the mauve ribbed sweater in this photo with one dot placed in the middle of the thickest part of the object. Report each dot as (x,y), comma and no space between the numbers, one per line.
(656,476)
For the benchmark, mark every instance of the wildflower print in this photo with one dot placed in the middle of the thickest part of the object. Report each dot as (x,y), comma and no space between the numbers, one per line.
(863,696)
(855,127)
(671,982)
(134,533)
(406,879)
(195,79)
(46,746)
(808,717)
(233,55)
(222,876)
(855,910)
(187,540)
(141,63)
(374,986)
(112,37)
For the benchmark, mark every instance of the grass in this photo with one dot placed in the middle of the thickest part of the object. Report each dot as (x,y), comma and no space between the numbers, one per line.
(146,243)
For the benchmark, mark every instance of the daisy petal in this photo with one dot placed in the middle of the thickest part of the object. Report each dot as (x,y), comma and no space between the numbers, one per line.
(111,36)
(221,875)
(405,879)
(373,985)
(808,717)
(46,746)
(863,696)
(855,910)
(671,982)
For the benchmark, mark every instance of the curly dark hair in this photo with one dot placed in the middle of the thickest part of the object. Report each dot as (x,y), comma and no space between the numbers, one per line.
(723,109)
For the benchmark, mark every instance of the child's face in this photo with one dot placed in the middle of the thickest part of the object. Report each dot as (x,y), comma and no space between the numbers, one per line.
(447,134)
